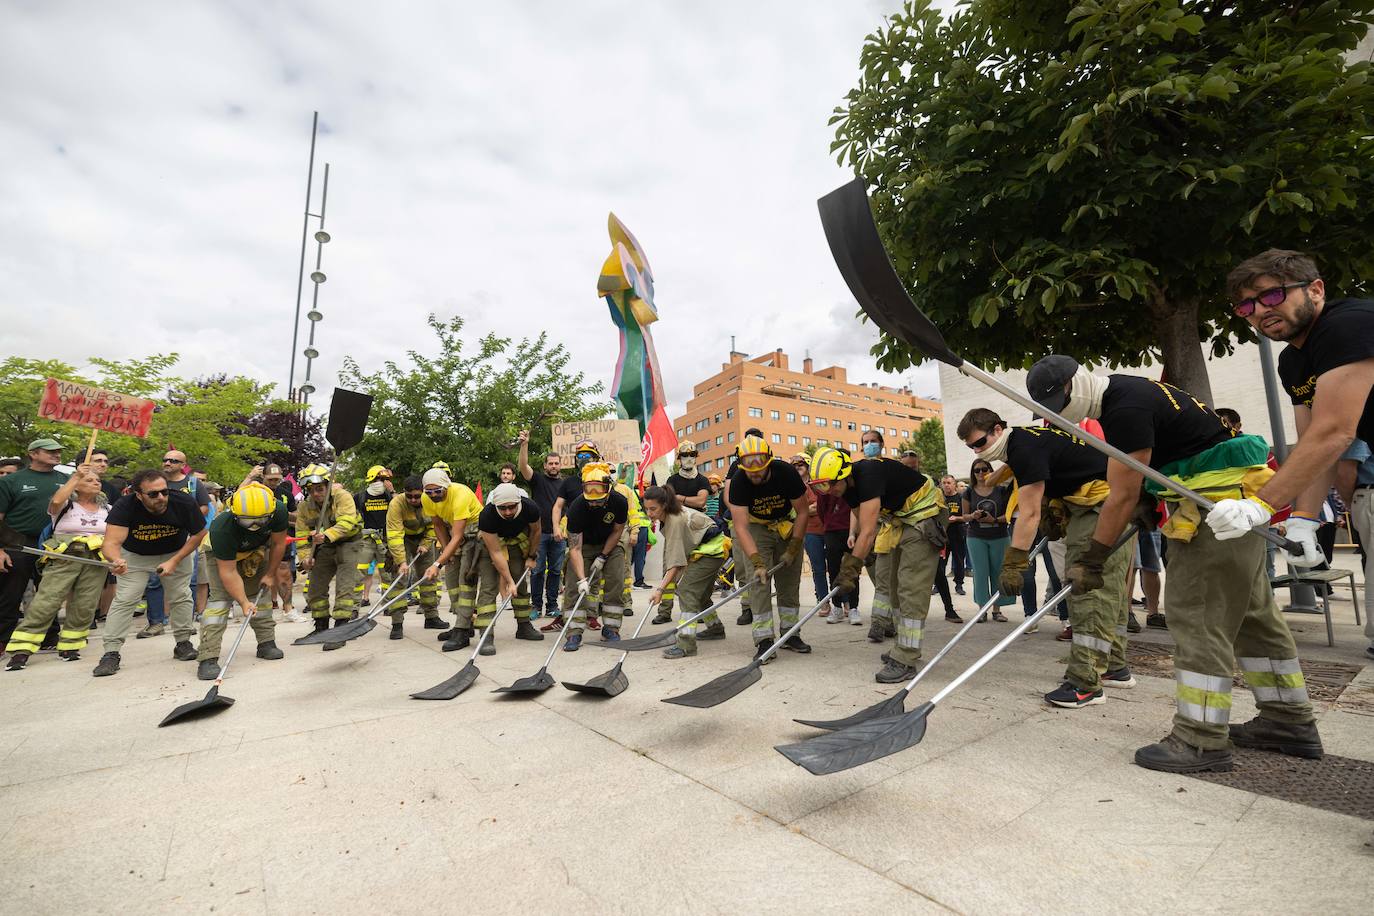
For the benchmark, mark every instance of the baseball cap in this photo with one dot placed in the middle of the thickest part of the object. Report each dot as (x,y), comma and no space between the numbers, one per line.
(1046,380)
(47,442)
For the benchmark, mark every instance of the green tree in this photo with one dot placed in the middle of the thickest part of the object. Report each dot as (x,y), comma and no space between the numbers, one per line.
(463,408)
(929,442)
(1078,177)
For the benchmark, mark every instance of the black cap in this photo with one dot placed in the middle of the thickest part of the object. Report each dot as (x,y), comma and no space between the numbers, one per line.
(1046,380)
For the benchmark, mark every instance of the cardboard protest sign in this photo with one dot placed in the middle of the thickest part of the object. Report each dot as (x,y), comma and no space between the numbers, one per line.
(618,440)
(97,408)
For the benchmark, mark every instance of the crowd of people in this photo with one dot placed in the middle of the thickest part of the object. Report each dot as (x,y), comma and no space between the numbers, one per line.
(571,548)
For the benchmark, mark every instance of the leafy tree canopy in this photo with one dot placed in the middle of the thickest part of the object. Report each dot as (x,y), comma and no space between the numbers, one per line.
(1079,177)
(929,442)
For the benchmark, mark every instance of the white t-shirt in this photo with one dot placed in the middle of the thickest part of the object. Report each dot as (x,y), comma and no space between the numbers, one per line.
(76,521)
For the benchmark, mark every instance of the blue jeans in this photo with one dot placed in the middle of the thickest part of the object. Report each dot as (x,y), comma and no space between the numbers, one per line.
(815,555)
(548,569)
(640,552)
(157,613)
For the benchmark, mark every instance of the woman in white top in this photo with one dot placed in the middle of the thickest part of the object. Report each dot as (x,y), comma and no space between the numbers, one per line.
(78,511)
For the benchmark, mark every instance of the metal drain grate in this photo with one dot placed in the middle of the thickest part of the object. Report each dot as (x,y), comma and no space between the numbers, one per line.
(1340,784)
(1325,680)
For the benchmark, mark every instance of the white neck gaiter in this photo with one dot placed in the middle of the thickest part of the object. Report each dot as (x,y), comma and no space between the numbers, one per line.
(1085,396)
(997,448)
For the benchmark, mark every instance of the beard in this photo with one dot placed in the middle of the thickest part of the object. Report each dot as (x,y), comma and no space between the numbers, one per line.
(1303,318)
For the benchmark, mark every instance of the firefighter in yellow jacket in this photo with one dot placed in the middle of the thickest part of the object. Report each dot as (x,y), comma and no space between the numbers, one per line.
(410,541)
(373,501)
(454,509)
(329,554)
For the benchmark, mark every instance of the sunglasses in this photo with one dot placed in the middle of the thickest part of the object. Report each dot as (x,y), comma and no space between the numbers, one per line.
(686,454)
(982,470)
(383,476)
(154,494)
(170,460)
(1269,298)
(979,442)
(434,493)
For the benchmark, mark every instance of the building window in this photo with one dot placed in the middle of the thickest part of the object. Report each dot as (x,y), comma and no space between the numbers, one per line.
(891,431)
(730,437)
(729,413)
(851,427)
(865,427)
(822,441)
(756,412)
(774,415)
(835,422)
(720,440)
(853,446)
(791,418)
(806,440)
(720,463)
(906,434)
(776,438)
(820,421)
(791,440)
(805,420)
(717,418)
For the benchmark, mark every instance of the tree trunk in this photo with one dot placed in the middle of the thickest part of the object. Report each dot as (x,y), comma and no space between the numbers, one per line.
(1181,346)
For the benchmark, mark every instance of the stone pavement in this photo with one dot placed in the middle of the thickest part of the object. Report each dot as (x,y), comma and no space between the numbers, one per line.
(326,789)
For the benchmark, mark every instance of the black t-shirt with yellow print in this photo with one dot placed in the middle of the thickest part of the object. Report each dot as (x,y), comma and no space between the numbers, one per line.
(1140,413)
(595,523)
(770,500)
(154,535)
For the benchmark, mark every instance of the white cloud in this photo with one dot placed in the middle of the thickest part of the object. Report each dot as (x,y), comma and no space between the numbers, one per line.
(156,157)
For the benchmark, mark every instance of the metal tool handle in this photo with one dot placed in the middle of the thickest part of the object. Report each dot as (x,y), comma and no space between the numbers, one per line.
(238,638)
(486,631)
(1111,451)
(1040,545)
(1022,627)
(773,649)
(626,654)
(571,613)
(53,555)
(384,604)
(726,600)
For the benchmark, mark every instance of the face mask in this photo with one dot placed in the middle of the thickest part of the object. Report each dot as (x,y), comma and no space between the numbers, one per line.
(252,524)
(376,488)
(1085,396)
(688,464)
(997,448)
(872,449)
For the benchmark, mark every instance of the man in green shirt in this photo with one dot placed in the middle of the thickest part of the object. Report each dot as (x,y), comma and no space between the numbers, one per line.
(24,497)
(247,543)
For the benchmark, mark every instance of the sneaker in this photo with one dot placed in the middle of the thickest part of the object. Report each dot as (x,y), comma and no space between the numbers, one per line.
(854,619)
(152,629)
(17,661)
(935,589)
(953,617)
(1132,625)
(794,643)
(574,643)
(878,631)
(894,672)
(840,615)
(610,634)
(642,584)
(1158,622)
(593,623)
(69,655)
(714,631)
(1297,740)
(1369,650)
(1067,696)
(435,623)
(555,623)
(184,651)
(366,602)
(677,652)
(999,617)
(208,669)
(1033,628)
(1121,677)
(269,651)
(762,647)
(294,616)
(108,665)
(526,630)
(745,618)
(1174,755)
(1065,635)
(958,589)
(1138,602)
(825,610)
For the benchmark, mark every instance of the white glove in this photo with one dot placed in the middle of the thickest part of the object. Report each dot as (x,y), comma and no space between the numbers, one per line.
(584,586)
(1303,533)
(1232,518)
(599,562)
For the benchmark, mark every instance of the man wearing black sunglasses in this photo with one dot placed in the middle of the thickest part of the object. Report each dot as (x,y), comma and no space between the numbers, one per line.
(152,530)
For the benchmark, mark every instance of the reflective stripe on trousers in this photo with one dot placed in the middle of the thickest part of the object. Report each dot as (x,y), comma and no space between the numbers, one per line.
(1203,697)
(1275,680)
(909,631)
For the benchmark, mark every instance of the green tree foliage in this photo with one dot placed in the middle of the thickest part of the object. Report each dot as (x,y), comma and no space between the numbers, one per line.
(207,419)
(1080,176)
(462,408)
(929,442)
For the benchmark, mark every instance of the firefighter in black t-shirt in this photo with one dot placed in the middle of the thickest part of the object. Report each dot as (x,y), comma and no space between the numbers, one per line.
(596,519)
(509,527)
(769,508)
(898,512)
(1061,486)
(1221,607)
(372,501)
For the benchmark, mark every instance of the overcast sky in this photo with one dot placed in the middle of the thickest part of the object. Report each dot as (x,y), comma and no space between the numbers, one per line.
(155,159)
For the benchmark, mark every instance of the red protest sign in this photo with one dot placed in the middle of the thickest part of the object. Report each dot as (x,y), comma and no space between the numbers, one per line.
(86,405)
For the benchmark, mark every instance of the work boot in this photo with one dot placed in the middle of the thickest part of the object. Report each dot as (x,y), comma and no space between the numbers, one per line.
(610,634)
(108,665)
(208,669)
(663,616)
(795,644)
(1120,677)
(1294,739)
(574,643)
(555,623)
(69,655)
(629,612)
(447,634)
(434,623)
(677,652)
(488,647)
(17,661)
(1067,696)
(152,629)
(184,651)
(526,630)
(1156,622)
(269,651)
(894,672)
(714,631)
(398,631)
(745,618)
(762,647)
(331,646)
(320,623)
(1174,755)
(1132,624)
(459,640)
(877,630)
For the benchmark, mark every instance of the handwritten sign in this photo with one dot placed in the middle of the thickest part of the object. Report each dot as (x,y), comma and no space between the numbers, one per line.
(617,440)
(86,405)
